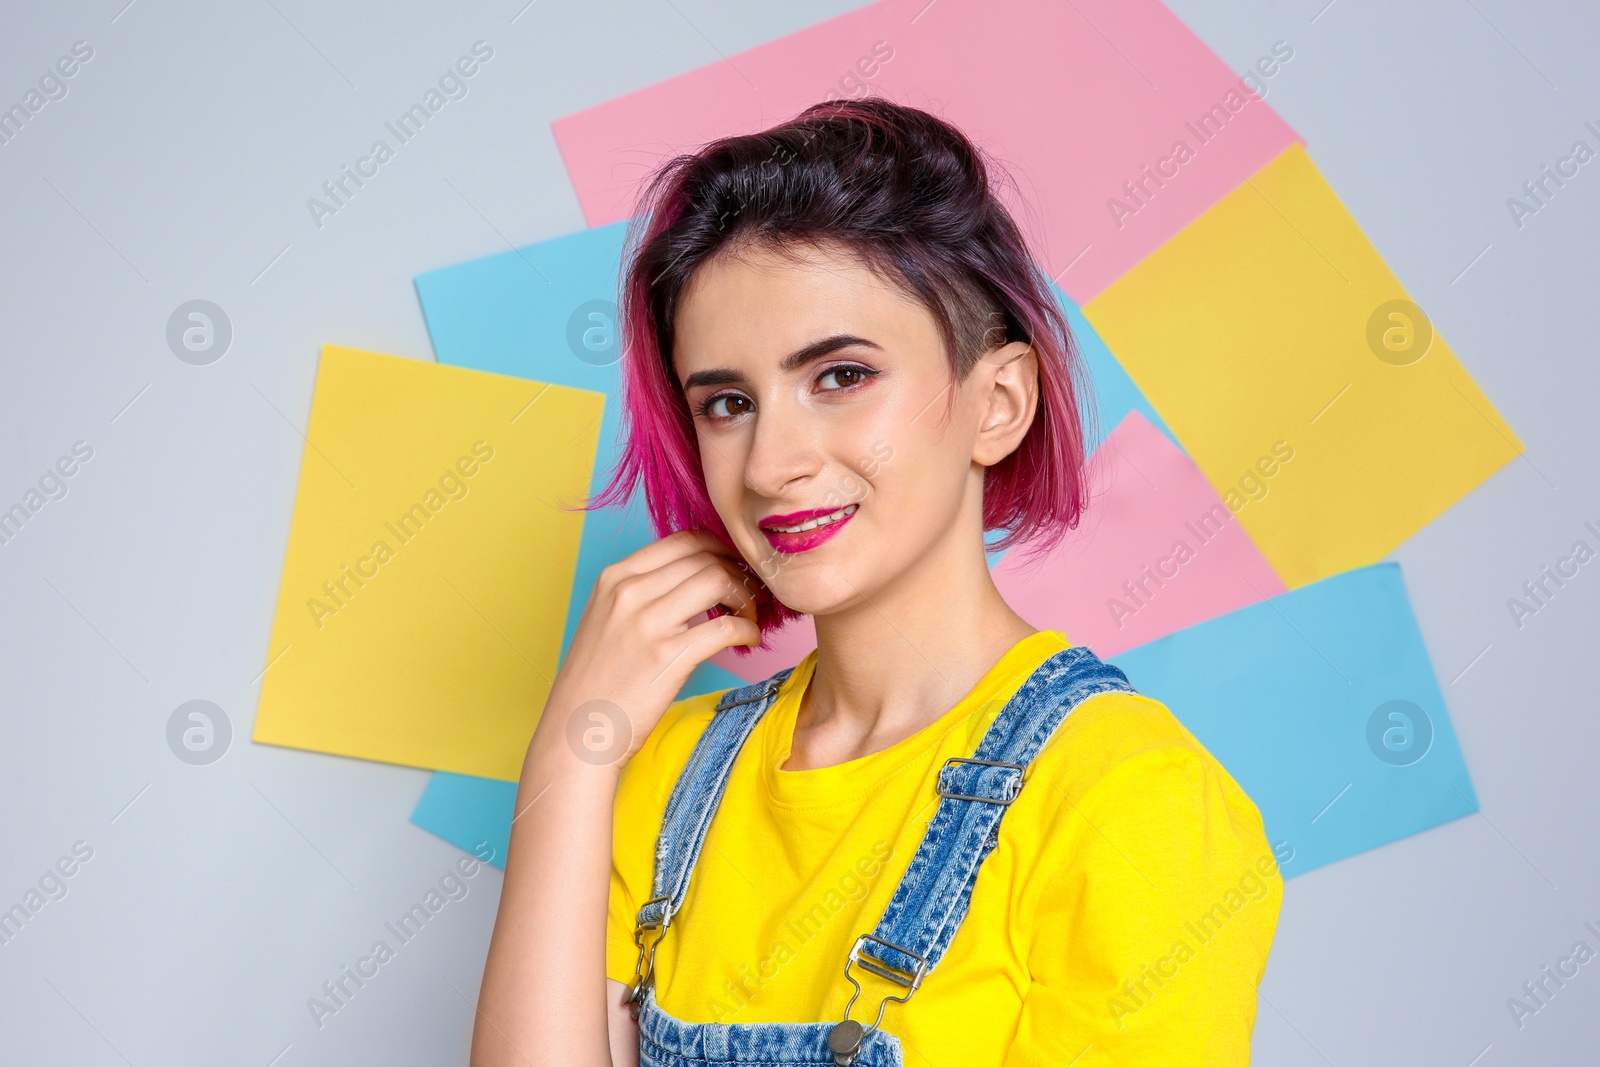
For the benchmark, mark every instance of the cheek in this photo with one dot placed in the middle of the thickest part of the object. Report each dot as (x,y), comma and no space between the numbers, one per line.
(879,452)
(862,454)
(722,464)
(722,467)
(930,434)
(848,488)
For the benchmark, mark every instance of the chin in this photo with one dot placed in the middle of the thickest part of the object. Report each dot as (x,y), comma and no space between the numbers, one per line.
(819,590)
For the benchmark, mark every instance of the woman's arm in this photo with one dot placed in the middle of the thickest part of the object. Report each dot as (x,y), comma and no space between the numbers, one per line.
(624,1031)
(545,997)
(1151,939)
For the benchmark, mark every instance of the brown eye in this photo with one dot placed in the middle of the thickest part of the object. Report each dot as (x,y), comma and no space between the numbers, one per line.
(847,375)
(725,406)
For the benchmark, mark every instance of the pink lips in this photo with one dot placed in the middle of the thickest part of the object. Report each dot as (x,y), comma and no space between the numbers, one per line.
(791,543)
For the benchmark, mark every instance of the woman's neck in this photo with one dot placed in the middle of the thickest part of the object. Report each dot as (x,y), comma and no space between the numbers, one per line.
(890,665)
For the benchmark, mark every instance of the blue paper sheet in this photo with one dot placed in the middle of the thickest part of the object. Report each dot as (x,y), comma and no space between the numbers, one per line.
(1114,392)
(1323,705)
(547,312)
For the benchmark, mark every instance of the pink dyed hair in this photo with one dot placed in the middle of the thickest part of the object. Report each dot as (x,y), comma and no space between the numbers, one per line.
(914,198)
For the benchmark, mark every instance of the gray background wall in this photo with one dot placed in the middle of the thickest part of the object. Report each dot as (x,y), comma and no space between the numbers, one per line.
(220,897)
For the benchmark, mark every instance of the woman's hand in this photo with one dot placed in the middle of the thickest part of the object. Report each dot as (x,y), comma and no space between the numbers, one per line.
(545,997)
(638,641)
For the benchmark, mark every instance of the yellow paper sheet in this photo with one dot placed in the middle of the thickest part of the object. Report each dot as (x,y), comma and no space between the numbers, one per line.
(1266,335)
(425,588)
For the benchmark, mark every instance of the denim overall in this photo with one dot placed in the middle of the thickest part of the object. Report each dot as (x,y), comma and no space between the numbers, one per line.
(927,907)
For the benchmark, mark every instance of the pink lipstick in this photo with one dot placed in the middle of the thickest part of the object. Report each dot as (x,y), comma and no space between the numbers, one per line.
(800,531)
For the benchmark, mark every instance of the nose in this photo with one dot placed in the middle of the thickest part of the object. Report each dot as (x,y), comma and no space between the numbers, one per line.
(782,450)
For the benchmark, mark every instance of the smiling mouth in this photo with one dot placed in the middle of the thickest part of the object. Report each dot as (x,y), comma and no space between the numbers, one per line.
(796,537)
(812,523)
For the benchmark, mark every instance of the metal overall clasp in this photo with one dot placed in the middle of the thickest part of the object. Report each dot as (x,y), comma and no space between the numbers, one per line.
(644,968)
(1013,785)
(846,1038)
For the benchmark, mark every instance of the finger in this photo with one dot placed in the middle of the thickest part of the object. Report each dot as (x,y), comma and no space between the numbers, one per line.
(674,546)
(746,586)
(641,590)
(706,639)
(702,641)
(713,584)
(717,586)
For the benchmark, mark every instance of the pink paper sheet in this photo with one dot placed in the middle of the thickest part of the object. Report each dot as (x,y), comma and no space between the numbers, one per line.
(1146,498)
(1157,551)
(1075,97)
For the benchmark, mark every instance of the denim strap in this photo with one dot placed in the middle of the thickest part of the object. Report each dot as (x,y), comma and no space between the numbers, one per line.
(932,898)
(698,792)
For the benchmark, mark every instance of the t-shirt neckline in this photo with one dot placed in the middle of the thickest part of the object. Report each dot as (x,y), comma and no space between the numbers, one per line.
(842,783)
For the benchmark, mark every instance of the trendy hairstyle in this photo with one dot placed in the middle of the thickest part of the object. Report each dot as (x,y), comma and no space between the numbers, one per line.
(914,199)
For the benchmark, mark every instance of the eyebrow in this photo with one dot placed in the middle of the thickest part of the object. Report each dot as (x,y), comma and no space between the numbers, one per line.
(812,352)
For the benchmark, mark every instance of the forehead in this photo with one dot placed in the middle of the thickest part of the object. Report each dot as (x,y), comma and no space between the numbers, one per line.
(760,303)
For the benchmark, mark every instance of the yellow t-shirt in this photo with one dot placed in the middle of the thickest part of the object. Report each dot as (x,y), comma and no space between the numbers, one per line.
(1125,916)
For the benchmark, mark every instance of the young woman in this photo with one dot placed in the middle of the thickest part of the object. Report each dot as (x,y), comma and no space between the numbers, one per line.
(944,837)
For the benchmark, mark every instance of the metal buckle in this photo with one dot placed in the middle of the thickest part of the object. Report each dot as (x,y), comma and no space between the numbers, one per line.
(644,970)
(844,1041)
(938,784)
(767,689)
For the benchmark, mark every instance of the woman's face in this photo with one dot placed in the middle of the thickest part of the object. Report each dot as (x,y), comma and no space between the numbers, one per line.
(819,398)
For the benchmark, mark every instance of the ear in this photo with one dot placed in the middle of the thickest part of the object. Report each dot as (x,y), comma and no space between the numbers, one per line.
(1008,397)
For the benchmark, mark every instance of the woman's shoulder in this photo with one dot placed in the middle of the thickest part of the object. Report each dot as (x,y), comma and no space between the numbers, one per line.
(1136,803)
(1118,744)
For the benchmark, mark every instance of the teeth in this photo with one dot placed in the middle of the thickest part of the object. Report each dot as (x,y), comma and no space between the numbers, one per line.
(821,520)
